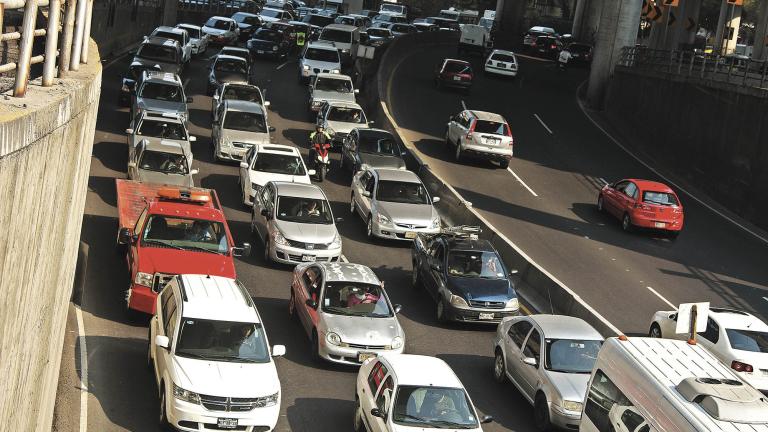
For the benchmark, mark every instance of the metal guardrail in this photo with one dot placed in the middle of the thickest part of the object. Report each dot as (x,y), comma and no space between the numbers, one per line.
(75,34)
(743,72)
(221,7)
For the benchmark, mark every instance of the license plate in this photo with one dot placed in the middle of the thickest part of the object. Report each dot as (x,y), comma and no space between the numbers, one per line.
(457,78)
(308,258)
(260,51)
(486,316)
(410,235)
(226,423)
(361,357)
(660,224)
(500,64)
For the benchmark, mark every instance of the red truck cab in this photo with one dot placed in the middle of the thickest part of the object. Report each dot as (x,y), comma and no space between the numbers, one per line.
(170,230)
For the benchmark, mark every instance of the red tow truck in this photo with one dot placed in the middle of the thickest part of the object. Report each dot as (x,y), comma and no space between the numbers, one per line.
(169,230)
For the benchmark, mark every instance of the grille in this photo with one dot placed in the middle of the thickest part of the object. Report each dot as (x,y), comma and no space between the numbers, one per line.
(367,347)
(226,404)
(160,280)
(241,145)
(308,246)
(485,304)
(318,70)
(410,226)
(317,259)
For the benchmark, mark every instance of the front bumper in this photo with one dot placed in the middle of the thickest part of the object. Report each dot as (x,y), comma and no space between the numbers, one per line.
(231,153)
(192,417)
(294,255)
(487,152)
(501,71)
(219,39)
(472,314)
(141,298)
(395,232)
(564,419)
(350,355)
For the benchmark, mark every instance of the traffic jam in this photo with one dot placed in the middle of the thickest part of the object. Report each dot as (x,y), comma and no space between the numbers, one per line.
(208,346)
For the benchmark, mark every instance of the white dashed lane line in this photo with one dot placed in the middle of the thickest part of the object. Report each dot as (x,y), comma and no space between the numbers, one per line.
(543,124)
(522,182)
(662,298)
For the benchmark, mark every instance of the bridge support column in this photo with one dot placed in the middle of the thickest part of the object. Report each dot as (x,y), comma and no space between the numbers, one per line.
(578,18)
(587,20)
(687,23)
(618,26)
(510,15)
(761,33)
(727,28)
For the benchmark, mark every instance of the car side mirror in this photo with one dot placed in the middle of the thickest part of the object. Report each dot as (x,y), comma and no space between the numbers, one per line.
(243,165)
(530,361)
(371,122)
(265,213)
(398,308)
(272,129)
(486,419)
(311,172)
(216,96)
(378,413)
(129,131)
(125,236)
(367,194)
(131,164)
(242,251)
(357,91)
(278,350)
(267,104)
(189,99)
(192,138)
(162,341)
(435,199)
(673,317)
(311,303)
(194,171)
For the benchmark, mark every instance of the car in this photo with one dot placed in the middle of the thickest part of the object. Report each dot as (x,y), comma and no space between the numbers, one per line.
(549,359)
(267,162)
(269,42)
(445,24)
(474,39)
(393,203)
(389,19)
(501,62)
(345,311)
(529,39)
(454,73)
(222,30)
(548,46)
(160,92)
(210,357)
(737,338)
(374,148)
(296,224)
(480,134)
(393,9)
(161,54)
(339,118)
(400,29)
(237,91)
(318,57)
(161,162)
(425,26)
(197,38)
(270,15)
(378,36)
(345,38)
(326,87)
(353,20)
(247,23)
(237,52)
(580,52)
(239,126)
(179,35)
(643,204)
(159,126)
(368,13)
(400,392)
(128,83)
(317,21)
(227,69)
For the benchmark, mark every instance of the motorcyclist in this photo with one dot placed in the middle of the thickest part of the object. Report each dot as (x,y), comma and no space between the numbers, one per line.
(319,140)
(564,57)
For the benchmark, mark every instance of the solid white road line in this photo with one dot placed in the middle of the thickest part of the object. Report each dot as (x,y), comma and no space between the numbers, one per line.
(543,124)
(765,298)
(662,298)
(680,188)
(283,65)
(463,105)
(343,258)
(83,371)
(522,182)
(602,180)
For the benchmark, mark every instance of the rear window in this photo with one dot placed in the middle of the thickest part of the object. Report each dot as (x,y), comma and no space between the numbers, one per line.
(503,58)
(660,198)
(173,36)
(747,340)
(218,24)
(461,68)
(490,127)
(336,36)
(322,55)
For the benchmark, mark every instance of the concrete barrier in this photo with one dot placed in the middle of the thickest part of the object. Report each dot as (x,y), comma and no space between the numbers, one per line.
(118,26)
(45,148)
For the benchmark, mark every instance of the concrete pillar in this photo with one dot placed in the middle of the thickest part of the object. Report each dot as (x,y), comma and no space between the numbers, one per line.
(691,9)
(619,22)
(658,27)
(591,21)
(578,19)
(170,9)
(510,15)
(761,33)
(730,18)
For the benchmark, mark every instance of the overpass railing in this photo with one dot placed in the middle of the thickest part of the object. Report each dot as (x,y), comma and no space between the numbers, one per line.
(75,35)
(732,69)
(220,7)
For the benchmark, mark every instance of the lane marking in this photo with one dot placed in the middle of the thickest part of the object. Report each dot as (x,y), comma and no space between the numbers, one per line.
(662,298)
(543,124)
(83,371)
(602,180)
(534,58)
(283,65)
(522,182)
(653,170)
(765,298)
(463,105)
(343,258)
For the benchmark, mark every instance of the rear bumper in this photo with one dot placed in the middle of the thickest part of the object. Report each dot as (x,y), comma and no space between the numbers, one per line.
(456,84)
(141,298)
(484,152)
(501,71)
(642,221)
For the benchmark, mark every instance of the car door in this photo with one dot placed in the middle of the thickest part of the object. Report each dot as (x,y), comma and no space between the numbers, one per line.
(359,180)
(710,337)
(434,277)
(369,392)
(529,374)
(365,202)
(513,347)
(314,286)
(612,197)
(322,114)
(217,125)
(347,147)
(245,171)
(133,165)
(167,328)
(215,99)
(264,201)
(303,292)
(383,402)
(628,198)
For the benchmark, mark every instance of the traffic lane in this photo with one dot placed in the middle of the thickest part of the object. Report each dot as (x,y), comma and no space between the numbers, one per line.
(566,167)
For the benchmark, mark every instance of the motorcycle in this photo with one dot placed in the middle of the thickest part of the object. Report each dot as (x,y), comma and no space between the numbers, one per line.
(322,161)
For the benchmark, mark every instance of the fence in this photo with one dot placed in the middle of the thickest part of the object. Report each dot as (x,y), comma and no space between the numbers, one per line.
(736,70)
(219,7)
(74,34)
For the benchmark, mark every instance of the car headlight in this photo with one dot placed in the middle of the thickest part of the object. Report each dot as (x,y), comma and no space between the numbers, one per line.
(435,222)
(513,304)
(185,395)
(336,71)
(383,220)
(278,238)
(397,342)
(336,243)
(305,67)
(333,338)
(458,301)
(267,401)
(572,405)
(345,51)
(144,279)
(274,47)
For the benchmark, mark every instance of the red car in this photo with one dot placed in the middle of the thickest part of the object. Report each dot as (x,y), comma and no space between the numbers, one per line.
(643,204)
(454,73)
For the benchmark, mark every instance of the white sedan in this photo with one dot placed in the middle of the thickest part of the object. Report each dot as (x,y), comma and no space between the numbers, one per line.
(736,338)
(270,162)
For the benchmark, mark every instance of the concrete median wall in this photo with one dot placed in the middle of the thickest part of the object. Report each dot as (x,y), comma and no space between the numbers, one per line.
(118,25)
(45,147)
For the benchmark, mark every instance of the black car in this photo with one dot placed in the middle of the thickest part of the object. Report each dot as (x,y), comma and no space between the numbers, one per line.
(225,69)
(317,21)
(373,147)
(128,85)
(269,43)
(547,46)
(248,23)
(465,275)
(580,52)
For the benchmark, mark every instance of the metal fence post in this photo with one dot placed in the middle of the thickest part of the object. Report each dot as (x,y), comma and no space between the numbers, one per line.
(86,32)
(67,32)
(77,44)
(25,48)
(762,79)
(51,42)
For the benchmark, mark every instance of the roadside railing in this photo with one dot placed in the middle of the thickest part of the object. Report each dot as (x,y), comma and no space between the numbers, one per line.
(732,69)
(75,35)
(220,7)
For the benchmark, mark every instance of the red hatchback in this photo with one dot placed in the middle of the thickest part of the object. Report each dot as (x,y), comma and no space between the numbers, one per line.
(454,73)
(643,204)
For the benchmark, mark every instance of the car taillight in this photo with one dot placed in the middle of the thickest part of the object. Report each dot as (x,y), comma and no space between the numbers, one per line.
(553,46)
(741,367)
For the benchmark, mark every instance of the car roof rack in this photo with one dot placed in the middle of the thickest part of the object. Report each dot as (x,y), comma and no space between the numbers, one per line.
(462,231)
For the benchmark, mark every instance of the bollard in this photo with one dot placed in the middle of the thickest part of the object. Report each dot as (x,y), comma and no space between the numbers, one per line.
(86,32)
(25,48)
(77,44)
(67,32)
(51,41)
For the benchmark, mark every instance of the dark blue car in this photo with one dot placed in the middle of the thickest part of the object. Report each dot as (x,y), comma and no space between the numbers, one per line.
(269,43)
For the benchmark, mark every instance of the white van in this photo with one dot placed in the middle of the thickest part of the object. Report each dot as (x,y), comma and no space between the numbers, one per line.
(346,38)
(475,39)
(648,385)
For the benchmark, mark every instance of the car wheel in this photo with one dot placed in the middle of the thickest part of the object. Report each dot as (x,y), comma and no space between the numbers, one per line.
(163,417)
(626,223)
(600,205)
(315,347)
(655,331)
(441,312)
(267,257)
(541,413)
(358,423)
(150,366)
(341,161)
(352,204)
(504,164)
(458,154)
(499,374)
(415,282)
(369,228)
(292,306)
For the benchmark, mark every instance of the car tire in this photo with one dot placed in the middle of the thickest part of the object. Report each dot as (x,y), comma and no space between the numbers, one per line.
(163,417)
(341,161)
(458,154)
(504,164)
(150,365)
(267,257)
(415,281)
(541,413)
(655,331)
(440,312)
(600,203)
(292,306)
(626,223)
(315,348)
(499,372)
(369,229)
(352,205)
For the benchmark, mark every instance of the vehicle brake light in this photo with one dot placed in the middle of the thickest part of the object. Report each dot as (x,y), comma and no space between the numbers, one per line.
(553,46)
(741,367)
(182,195)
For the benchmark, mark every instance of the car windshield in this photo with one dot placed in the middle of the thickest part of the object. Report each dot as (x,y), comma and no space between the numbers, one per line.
(571,356)
(336,36)
(378,32)
(475,264)
(345,20)
(748,340)
(243,54)
(317,20)
(161,129)
(193,32)
(185,234)
(323,55)
(490,127)
(161,53)
(163,92)
(402,192)
(402,28)
(173,36)
(222,341)
(458,68)
(267,35)
(333,85)
(247,19)
(249,94)
(217,24)
(433,407)
(346,115)
(660,198)
(271,13)
(278,164)
(503,58)
(169,163)
(231,65)
(245,121)
(304,210)
(354,298)
(377,145)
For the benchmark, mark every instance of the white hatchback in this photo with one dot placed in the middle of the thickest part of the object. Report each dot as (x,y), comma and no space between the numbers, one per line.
(501,62)
(270,162)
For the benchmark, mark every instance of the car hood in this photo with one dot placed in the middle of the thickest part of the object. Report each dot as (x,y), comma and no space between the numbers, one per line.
(161,106)
(416,214)
(363,330)
(261,178)
(571,386)
(381,161)
(164,66)
(229,135)
(333,96)
(344,127)
(172,261)
(261,43)
(230,77)
(307,233)
(479,289)
(314,64)
(163,178)
(214,31)
(227,379)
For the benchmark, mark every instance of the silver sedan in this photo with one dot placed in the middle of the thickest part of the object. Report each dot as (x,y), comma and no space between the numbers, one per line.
(345,311)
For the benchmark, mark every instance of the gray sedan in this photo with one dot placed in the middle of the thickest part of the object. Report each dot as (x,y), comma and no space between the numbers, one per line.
(549,358)
(345,311)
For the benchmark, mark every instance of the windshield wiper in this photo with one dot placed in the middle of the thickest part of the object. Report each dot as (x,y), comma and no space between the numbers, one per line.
(201,249)
(157,242)
(450,424)
(193,355)
(412,417)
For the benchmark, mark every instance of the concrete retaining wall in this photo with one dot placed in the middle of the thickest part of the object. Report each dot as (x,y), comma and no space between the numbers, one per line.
(118,24)
(712,136)
(45,148)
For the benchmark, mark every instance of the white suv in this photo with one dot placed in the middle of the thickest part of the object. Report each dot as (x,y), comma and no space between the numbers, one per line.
(211,357)
(318,57)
